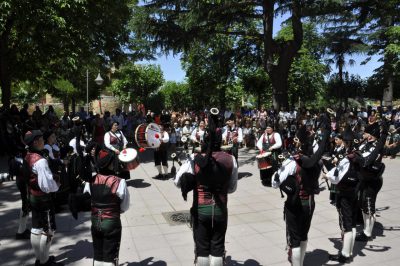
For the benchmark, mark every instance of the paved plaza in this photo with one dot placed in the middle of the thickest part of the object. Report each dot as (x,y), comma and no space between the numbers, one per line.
(255,235)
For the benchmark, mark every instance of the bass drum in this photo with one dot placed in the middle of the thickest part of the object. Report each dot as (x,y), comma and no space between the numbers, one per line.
(129,157)
(148,136)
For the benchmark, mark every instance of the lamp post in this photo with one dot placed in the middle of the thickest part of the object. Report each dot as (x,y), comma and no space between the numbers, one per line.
(99,81)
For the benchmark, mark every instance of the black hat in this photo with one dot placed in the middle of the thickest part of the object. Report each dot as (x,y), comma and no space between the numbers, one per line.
(301,134)
(373,130)
(348,134)
(30,136)
(47,134)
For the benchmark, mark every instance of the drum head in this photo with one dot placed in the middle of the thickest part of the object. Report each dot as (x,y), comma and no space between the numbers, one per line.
(153,136)
(265,154)
(127,155)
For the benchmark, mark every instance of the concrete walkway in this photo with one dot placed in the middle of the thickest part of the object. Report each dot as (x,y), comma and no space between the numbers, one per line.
(256,230)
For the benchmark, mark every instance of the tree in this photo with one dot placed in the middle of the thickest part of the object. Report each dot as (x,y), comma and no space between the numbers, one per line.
(136,82)
(174,25)
(176,95)
(380,21)
(42,39)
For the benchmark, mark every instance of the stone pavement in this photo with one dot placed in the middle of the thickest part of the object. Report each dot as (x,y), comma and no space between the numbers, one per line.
(255,235)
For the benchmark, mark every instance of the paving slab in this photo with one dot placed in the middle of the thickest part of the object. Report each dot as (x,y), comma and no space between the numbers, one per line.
(255,235)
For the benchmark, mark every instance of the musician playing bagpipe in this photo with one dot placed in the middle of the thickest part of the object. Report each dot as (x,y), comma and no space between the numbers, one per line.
(344,176)
(269,145)
(161,154)
(40,184)
(369,160)
(197,136)
(298,178)
(114,143)
(109,197)
(233,136)
(338,152)
(211,174)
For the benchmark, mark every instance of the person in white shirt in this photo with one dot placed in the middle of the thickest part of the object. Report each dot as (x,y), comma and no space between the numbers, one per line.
(161,154)
(115,142)
(41,184)
(197,136)
(109,198)
(271,142)
(233,135)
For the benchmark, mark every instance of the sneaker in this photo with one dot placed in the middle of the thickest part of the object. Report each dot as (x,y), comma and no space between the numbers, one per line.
(363,237)
(24,235)
(339,258)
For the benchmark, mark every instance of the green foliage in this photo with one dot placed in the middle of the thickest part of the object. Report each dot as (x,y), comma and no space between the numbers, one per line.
(136,82)
(176,95)
(26,92)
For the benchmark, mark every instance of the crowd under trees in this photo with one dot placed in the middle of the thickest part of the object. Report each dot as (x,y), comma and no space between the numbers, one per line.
(229,49)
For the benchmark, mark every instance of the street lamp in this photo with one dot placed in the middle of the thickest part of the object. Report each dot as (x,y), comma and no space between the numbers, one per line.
(99,81)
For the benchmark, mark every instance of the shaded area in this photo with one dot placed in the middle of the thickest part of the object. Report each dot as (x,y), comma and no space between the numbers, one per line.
(145,262)
(137,183)
(244,175)
(248,262)
(75,252)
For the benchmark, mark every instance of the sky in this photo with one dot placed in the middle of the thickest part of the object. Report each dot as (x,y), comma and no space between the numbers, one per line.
(171,65)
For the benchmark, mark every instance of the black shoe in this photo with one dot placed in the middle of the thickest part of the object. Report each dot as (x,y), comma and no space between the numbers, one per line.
(363,237)
(24,235)
(339,258)
(159,176)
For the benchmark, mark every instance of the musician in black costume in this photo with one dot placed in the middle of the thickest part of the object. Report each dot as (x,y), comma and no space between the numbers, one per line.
(345,176)
(371,168)
(161,154)
(41,183)
(211,175)
(114,143)
(298,178)
(109,198)
(270,141)
(233,135)
(337,153)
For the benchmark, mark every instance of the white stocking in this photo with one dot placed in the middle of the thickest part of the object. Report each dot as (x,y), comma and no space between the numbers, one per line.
(97,263)
(165,169)
(35,242)
(45,248)
(216,261)
(303,247)
(203,261)
(353,240)
(296,256)
(22,222)
(347,239)
(159,169)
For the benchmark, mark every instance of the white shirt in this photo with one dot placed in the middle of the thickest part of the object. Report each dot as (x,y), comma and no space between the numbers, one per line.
(277,138)
(288,168)
(186,130)
(119,135)
(239,132)
(122,192)
(193,137)
(342,168)
(51,148)
(72,143)
(45,177)
(188,167)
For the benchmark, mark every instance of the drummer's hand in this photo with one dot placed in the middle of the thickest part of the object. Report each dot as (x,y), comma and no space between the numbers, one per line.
(270,149)
(117,152)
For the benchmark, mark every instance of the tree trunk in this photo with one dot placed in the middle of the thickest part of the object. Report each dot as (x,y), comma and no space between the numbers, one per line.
(5,76)
(280,91)
(73,105)
(222,96)
(66,104)
(387,98)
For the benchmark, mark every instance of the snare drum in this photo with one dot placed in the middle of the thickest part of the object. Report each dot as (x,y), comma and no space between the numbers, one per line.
(264,161)
(130,158)
(148,136)
(227,148)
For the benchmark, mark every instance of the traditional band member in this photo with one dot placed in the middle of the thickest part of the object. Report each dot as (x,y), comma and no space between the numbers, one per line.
(41,184)
(270,141)
(115,141)
(211,175)
(371,170)
(161,154)
(109,198)
(344,175)
(338,152)
(186,132)
(298,178)
(197,136)
(233,135)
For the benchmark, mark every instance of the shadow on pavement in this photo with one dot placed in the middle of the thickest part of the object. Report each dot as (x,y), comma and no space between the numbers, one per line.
(249,262)
(244,174)
(145,262)
(9,192)
(72,253)
(137,183)
(316,257)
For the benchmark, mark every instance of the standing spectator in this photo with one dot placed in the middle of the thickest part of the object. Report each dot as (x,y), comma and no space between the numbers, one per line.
(119,118)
